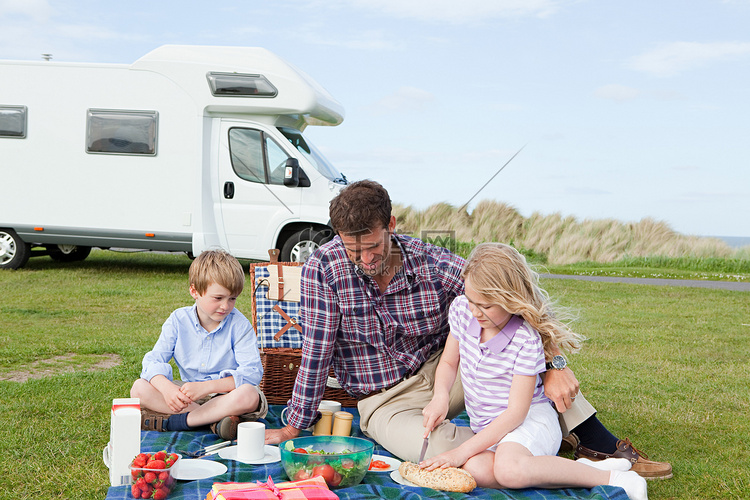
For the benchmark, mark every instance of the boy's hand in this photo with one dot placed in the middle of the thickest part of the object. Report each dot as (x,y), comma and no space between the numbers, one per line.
(194,390)
(434,413)
(175,399)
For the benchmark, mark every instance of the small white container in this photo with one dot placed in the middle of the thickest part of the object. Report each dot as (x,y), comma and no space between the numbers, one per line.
(124,439)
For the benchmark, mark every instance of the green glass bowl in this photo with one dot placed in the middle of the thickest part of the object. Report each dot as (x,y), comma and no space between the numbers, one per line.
(343,461)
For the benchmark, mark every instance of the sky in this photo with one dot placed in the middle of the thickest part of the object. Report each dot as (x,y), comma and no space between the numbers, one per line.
(621,109)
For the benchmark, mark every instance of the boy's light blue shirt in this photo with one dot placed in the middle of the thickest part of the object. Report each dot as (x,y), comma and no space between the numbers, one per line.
(231,349)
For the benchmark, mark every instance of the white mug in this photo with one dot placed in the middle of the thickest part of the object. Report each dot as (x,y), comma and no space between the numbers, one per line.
(251,438)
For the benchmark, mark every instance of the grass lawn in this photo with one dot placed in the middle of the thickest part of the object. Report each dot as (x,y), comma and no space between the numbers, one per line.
(665,366)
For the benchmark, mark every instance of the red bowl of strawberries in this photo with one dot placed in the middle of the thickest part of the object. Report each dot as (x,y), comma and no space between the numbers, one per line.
(151,474)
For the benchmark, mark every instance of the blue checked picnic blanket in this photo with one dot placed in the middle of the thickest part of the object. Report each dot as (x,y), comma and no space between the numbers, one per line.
(268,320)
(376,485)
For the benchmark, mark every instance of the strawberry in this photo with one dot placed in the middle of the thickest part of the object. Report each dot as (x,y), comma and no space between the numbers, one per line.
(150,477)
(136,491)
(163,476)
(160,455)
(141,484)
(160,493)
(156,464)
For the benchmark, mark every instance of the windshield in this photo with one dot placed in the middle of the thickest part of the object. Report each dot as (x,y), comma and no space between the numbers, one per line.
(312,155)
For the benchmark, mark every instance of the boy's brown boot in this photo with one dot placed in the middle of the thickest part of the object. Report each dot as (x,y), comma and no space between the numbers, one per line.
(226,428)
(153,420)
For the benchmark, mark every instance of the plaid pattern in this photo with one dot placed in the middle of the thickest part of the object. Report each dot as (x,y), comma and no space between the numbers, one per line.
(270,321)
(375,486)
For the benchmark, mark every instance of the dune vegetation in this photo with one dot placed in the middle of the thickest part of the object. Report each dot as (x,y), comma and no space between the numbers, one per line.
(556,239)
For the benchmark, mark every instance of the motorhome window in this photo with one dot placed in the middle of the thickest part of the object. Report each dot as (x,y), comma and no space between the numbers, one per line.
(311,153)
(276,161)
(240,85)
(13,121)
(121,132)
(246,152)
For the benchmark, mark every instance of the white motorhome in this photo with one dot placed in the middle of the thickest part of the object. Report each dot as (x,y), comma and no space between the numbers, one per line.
(188,148)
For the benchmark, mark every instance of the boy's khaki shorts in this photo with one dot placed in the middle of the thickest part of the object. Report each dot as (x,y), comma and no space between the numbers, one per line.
(252,416)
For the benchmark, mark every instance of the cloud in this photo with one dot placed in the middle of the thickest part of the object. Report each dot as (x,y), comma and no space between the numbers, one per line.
(365,40)
(616,92)
(38,10)
(672,58)
(458,12)
(405,99)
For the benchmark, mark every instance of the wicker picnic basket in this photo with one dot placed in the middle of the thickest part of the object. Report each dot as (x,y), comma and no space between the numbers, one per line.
(275,308)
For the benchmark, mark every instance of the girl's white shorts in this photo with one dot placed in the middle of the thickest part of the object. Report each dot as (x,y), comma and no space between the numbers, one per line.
(539,433)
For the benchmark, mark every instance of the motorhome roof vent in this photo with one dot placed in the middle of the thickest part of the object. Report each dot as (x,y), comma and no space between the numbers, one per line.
(240,85)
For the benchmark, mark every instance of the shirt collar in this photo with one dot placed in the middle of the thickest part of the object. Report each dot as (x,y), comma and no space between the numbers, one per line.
(199,327)
(497,343)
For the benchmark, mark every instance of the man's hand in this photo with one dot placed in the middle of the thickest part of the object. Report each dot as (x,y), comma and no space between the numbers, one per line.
(561,386)
(276,436)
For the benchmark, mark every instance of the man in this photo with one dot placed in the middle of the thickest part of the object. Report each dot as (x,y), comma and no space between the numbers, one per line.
(374,306)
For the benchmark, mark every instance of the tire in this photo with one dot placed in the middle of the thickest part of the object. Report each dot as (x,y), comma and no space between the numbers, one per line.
(68,253)
(300,245)
(14,252)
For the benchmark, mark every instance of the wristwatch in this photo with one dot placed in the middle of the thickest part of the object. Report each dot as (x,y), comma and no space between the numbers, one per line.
(558,363)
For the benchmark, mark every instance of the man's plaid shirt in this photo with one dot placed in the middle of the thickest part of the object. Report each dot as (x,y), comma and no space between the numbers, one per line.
(372,339)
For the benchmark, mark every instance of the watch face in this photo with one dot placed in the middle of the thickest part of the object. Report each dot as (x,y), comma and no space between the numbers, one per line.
(559,362)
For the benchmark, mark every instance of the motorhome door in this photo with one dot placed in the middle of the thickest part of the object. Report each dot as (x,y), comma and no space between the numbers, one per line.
(254,201)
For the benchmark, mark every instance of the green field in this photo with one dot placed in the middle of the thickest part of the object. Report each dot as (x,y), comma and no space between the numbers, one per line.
(665,366)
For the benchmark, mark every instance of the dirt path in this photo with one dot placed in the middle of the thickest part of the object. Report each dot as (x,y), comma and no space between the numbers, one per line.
(67,363)
(723,285)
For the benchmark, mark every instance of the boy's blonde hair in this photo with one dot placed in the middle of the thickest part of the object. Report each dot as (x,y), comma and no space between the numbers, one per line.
(501,275)
(216,266)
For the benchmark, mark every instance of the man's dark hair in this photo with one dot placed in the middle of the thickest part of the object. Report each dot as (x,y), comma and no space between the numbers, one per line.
(360,206)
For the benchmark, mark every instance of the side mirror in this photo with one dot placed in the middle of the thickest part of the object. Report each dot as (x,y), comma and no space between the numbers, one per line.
(291,172)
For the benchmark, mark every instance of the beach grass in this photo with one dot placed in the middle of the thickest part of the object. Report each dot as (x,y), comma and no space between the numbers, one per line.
(562,240)
(665,367)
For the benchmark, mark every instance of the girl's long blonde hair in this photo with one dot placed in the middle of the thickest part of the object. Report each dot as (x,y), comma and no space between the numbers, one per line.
(501,275)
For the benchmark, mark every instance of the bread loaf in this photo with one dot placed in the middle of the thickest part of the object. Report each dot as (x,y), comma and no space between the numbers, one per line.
(448,479)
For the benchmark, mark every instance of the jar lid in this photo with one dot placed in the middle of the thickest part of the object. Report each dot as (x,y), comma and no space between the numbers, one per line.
(345,415)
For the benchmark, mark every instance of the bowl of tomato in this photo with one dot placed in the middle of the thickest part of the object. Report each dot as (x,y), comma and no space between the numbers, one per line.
(341,460)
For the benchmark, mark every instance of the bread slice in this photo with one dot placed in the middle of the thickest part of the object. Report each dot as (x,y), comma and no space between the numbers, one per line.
(448,479)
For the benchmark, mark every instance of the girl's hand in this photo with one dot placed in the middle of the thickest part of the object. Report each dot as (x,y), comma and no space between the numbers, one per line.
(452,458)
(434,413)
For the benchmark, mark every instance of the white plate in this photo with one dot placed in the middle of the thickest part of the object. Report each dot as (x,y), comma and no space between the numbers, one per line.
(397,477)
(272,454)
(190,470)
(392,462)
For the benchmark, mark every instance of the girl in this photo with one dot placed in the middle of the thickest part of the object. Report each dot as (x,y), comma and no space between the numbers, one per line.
(498,330)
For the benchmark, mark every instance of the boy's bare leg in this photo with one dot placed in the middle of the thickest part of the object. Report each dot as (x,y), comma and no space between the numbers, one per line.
(243,399)
(152,399)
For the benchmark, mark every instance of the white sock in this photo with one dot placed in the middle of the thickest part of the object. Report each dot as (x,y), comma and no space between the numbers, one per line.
(633,484)
(621,464)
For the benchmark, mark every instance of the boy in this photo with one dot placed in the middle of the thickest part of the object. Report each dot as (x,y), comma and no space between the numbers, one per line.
(214,347)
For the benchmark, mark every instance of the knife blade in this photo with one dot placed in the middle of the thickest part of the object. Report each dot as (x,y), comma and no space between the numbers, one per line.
(424,448)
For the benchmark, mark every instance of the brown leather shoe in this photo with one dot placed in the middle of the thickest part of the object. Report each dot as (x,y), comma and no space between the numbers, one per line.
(226,428)
(569,443)
(153,420)
(647,469)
